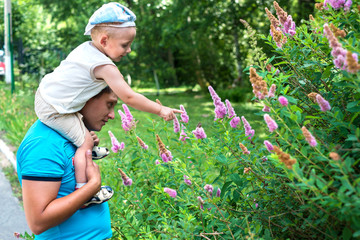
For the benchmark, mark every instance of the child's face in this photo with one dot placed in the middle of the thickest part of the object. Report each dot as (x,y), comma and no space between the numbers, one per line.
(119,44)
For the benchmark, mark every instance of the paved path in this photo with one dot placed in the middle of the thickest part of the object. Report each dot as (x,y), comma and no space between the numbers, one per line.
(12,217)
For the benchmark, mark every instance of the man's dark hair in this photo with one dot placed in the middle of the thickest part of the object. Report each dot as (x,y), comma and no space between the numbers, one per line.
(107,89)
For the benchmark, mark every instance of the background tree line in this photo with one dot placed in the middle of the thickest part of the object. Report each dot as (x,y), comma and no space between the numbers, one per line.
(180,42)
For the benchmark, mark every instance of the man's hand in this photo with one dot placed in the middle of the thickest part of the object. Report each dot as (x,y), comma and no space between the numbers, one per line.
(167,113)
(95,138)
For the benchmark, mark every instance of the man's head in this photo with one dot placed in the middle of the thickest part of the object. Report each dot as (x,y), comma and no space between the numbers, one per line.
(99,109)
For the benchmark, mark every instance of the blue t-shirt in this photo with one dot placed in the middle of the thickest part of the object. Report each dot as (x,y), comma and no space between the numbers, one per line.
(45,155)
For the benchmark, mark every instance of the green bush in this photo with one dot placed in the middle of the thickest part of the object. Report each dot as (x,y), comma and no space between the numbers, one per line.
(307,187)
(302,184)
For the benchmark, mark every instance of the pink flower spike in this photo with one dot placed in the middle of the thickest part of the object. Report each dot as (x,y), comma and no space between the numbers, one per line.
(187,180)
(220,109)
(176,125)
(209,188)
(272,91)
(234,122)
(248,131)
(218,192)
(184,116)
(164,157)
(201,202)
(199,132)
(183,135)
(127,181)
(157,162)
(127,112)
(124,121)
(324,105)
(230,109)
(266,108)
(270,123)
(172,193)
(283,101)
(309,137)
(115,143)
(122,146)
(268,145)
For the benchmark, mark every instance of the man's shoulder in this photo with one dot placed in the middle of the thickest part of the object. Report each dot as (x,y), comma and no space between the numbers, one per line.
(41,134)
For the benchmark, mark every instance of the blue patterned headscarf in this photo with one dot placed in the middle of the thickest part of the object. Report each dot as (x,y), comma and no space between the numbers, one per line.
(109,13)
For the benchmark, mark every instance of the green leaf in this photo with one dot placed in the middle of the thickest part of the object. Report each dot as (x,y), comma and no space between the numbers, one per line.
(236,179)
(221,158)
(326,72)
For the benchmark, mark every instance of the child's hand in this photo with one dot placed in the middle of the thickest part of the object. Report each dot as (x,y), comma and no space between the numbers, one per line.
(95,138)
(167,113)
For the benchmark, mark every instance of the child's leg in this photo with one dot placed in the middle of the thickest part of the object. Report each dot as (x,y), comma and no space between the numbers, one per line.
(80,160)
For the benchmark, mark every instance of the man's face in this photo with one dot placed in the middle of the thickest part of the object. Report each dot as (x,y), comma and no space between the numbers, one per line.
(98,110)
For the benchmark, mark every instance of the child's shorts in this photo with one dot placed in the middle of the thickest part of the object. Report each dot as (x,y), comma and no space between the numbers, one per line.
(68,125)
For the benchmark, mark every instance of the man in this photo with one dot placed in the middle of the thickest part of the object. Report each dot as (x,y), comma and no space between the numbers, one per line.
(53,209)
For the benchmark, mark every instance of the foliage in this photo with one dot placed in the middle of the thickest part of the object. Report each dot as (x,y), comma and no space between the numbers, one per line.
(183,42)
(307,187)
(302,183)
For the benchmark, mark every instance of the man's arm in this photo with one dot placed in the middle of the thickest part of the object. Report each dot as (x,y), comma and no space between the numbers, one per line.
(44,211)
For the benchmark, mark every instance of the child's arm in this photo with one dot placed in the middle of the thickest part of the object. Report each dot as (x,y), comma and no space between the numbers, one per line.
(116,82)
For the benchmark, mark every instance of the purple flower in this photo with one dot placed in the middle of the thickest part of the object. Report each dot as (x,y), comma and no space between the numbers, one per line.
(220,109)
(172,193)
(347,5)
(324,105)
(164,157)
(231,114)
(209,188)
(122,146)
(230,109)
(248,131)
(127,113)
(184,116)
(337,4)
(176,125)
(309,137)
(201,202)
(127,181)
(218,192)
(187,180)
(289,26)
(183,135)
(268,145)
(272,90)
(266,108)
(199,132)
(157,162)
(283,101)
(126,125)
(270,123)
(256,205)
(116,146)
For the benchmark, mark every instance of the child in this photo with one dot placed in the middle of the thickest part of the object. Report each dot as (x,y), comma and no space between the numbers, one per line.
(83,74)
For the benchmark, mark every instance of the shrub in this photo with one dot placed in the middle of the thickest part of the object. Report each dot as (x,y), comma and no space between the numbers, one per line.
(301,182)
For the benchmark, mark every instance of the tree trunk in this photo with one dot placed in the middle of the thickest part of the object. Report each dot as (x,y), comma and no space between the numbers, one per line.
(172,64)
(200,77)
(239,79)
